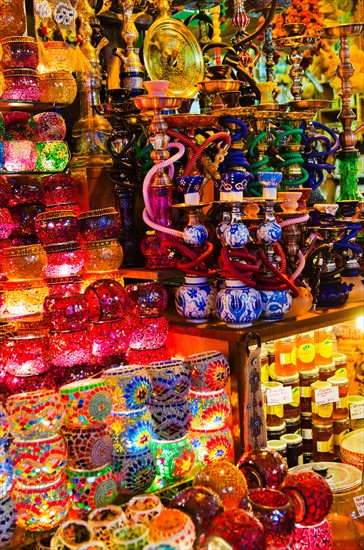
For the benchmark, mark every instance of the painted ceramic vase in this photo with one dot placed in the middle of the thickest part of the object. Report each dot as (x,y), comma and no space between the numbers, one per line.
(236,235)
(210,370)
(174,458)
(275,304)
(171,420)
(134,473)
(39,461)
(226,480)
(195,300)
(263,468)
(147,299)
(131,387)
(238,305)
(212,445)
(41,507)
(313,537)
(173,526)
(132,430)
(148,332)
(143,508)
(131,537)
(7,519)
(238,529)
(87,402)
(209,411)
(92,488)
(170,380)
(269,232)
(195,235)
(333,294)
(104,521)
(89,448)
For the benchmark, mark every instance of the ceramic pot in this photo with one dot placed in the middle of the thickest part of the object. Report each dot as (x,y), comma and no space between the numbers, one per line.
(195,300)
(238,305)
(275,304)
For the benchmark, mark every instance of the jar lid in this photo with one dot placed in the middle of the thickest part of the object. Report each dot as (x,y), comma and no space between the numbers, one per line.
(338,380)
(293,420)
(292,378)
(342,421)
(322,426)
(339,358)
(329,366)
(319,384)
(276,445)
(340,477)
(98,212)
(309,373)
(276,428)
(291,439)
(306,414)
(8,39)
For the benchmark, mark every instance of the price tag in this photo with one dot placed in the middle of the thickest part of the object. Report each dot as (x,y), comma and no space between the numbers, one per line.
(359,503)
(327,395)
(279,395)
(356,411)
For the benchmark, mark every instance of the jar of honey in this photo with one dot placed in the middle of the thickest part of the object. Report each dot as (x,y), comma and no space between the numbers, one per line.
(341,427)
(274,415)
(325,371)
(306,432)
(322,413)
(285,357)
(341,410)
(306,379)
(293,425)
(294,449)
(292,409)
(323,442)
(305,346)
(269,348)
(275,432)
(323,345)
(278,446)
(340,360)
(353,400)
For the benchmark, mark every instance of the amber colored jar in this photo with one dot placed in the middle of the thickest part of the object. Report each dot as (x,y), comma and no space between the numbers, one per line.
(323,345)
(275,432)
(285,357)
(305,346)
(323,442)
(58,56)
(322,413)
(326,371)
(19,52)
(292,409)
(293,425)
(306,432)
(340,363)
(103,255)
(341,410)
(278,446)
(306,379)
(58,87)
(341,428)
(294,449)
(274,415)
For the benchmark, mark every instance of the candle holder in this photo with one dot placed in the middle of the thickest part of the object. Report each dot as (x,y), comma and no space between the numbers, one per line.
(103,255)
(66,312)
(143,508)
(130,385)
(148,333)
(88,448)
(22,262)
(210,370)
(236,528)
(209,410)
(104,521)
(7,519)
(70,348)
(173,526)
(132,430)
(170,381)
(87,402)
(174,458)
(92,489)
(226,480)
(110,341)
(134,472)
(211,445)
(49,126)
(27,355)
(131,537)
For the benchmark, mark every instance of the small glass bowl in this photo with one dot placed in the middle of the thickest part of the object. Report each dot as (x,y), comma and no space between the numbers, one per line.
(64,259)
(107,300)
(49,126)
(109,339)
(105,255)
(57,56)
(58,87)
(19,52)
(148,332)
(23,216)
(21,85)
(24,190)
(64,285)
(18,125)
(20,156)
(70,348)
(52,156)
(6,223)
(57,226)
(27,355)
(66,312)
(100,224)
(58,189)
(147,299)
(25,297)
(23,262)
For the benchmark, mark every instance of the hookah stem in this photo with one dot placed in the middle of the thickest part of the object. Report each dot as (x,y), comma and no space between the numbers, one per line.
(197,153)
(290,157)
(260,165)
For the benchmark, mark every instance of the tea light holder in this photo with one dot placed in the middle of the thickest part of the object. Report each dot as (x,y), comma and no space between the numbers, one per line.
(6,470)
(134,472)
(66,312)
(20,155)
(130,537)
(25,297)
(170,380)
(88,448)
(109,339)
(211,445)
(87,402)
(100,224)
(226,480)
(64,259)
(146,356)
(21,85)
(173,526)
(74,533)
(131,387)
(58,87)
(39,461)
(313,537)
(147,299)
(23,262)
(64,285)
(171,420)
(70,348)
(27,355)
(104,521)
(209,411)
(41,507)
(49,126)
(107,300)
(52,156)
(7,519)
(103,256)
(143,508)
(148,332)
(92,488)
(59,189)
(132,430)
(236,529)
(174,459)
(210,371)
(57,226)
(19,52)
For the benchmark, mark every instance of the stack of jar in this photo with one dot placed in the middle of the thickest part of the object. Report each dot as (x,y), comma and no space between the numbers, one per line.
(132,428)
(88,403)
(210,433)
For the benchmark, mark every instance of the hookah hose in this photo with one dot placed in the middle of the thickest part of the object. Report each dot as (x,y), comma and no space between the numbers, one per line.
(243,128)
(197,263)
(344,244)
(200,148)
(232,269)
(293,221)
(290,157)
(183,139)
(266,283)
(262,165)
(314,168)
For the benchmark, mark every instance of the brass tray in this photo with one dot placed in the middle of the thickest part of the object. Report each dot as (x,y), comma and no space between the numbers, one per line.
(171,52)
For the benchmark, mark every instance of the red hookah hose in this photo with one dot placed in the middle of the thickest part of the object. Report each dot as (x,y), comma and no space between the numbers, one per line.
(281,276)
(183,139)
(198,260)
(230,268)
(197,153)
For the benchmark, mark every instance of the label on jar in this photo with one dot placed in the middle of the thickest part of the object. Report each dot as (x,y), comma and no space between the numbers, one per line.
(295,396)
(341,372)
(306,433)
(325,348)
(326,446)
(279,395)
(306,353)
(339,437)
(356,411)
(275,410)
(285,358)
(325,410)
(326,395)
(305,391)
(359,503)
(264,373)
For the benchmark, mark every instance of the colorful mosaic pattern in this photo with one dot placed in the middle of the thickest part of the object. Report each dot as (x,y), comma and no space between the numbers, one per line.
(239,529)
(134,473)
(7,520)
(170,380)
(143,508)
(171,420)
(131,537)
(132,431)
(210,371)
(209,411)
(211,445)
(130,385)
(148,332)
(88,448)
(314,537)
(226,480)
(68,349)
(174,459)
(88,402)
(104,521)
(92,489)
(175,527)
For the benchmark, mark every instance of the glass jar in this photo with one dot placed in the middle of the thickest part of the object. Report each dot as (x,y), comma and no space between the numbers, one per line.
(27,355)
(12,18)
(64,260)
(70,348)
(274,415)
(58,87)
(19,52)
(278,446)
(49,126)
(323,442)
(63,313)
(57,56)
(109,339)
(340,360)
(306,432)
(23,262)
(59,189)
(285,357)
(148,332)
(294,449)
(322,413)
(20,156)
(306,379)
(341,410)
(208,410)
(18,125)
(100,224)
(341,428)
(305,345)
(92,489)
(64,285)
(52,156)
(147,299)
(275,432)
(107,300)
(353,400)
(25,297)
(21,85)
(292,409)
(326,371)
(323,345)
(293,425)
(105,255)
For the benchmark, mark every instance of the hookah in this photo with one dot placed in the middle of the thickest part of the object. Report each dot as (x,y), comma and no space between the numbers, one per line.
(258,143)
